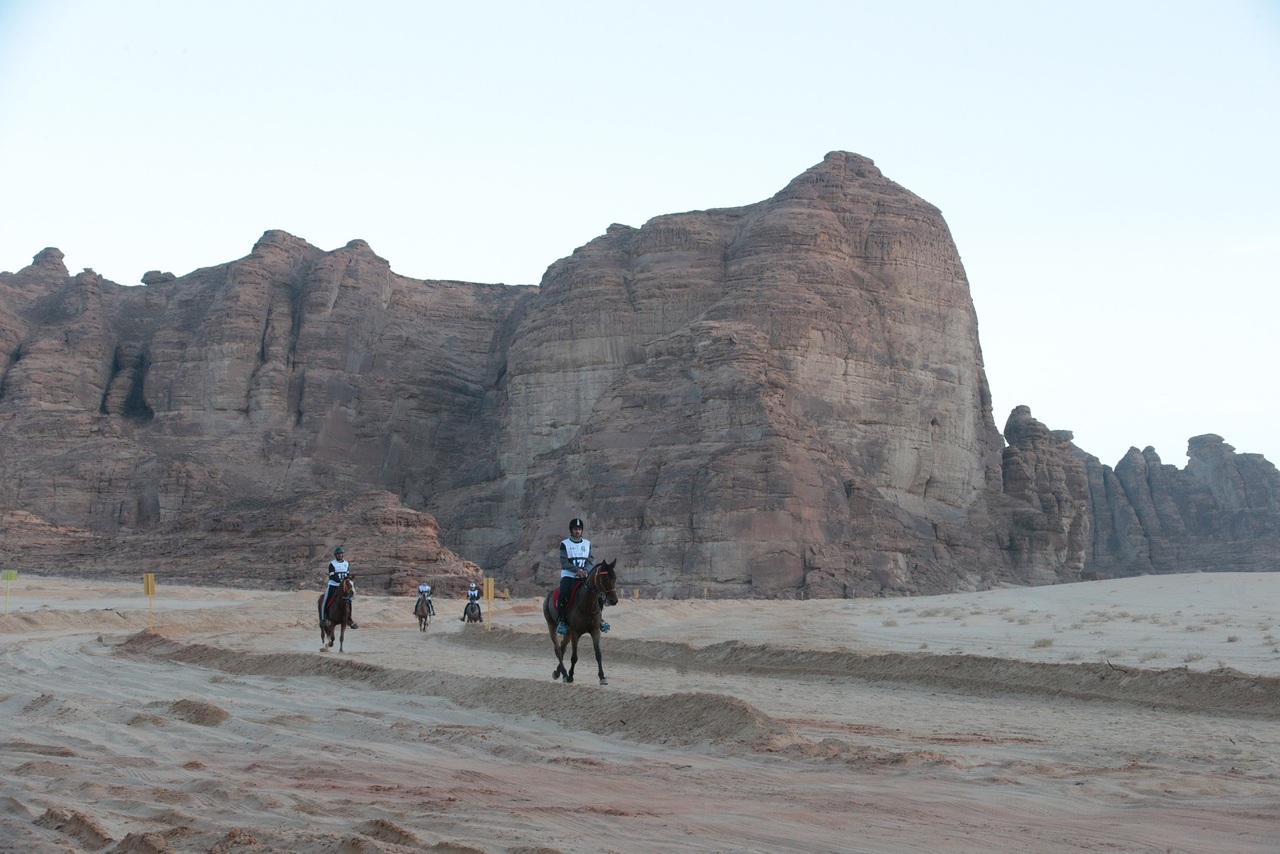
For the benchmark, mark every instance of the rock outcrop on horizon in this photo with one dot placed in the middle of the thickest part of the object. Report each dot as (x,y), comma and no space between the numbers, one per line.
(784,399)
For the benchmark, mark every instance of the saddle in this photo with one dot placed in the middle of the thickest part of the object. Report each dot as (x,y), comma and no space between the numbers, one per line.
(573,591)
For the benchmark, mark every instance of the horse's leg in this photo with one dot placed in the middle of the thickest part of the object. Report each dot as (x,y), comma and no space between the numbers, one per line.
(558,649)
(595,642)
(326,635)
(573,660)
(549,616)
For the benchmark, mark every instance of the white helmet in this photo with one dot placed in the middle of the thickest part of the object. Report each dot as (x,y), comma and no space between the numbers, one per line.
(473,585)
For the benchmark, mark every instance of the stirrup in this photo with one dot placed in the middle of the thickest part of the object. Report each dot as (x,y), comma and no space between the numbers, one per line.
(604,627)
(561,628)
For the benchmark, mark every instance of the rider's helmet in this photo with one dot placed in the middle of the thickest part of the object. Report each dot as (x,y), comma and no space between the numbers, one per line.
(576,523)
(473,586)
(337,551)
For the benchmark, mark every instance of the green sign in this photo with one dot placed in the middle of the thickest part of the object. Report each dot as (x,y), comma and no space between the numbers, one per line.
(8,575)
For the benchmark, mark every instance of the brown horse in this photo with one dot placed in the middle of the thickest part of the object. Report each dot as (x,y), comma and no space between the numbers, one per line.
(582,617)
(424,611)
(338,615)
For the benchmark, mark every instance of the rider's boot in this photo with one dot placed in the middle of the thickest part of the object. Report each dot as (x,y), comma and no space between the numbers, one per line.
(604,626)
(562,628)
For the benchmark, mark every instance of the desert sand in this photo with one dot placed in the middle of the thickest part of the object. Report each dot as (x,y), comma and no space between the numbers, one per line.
(1135,715)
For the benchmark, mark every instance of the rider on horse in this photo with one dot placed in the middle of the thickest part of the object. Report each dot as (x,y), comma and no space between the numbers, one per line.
(338,569)
(473,597)
(424,592)
(575,560)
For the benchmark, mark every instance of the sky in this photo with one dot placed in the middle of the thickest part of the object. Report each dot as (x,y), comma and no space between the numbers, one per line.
(1110,171)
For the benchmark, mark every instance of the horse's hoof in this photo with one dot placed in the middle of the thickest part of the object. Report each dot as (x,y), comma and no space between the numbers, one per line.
(604,681)
(555,675)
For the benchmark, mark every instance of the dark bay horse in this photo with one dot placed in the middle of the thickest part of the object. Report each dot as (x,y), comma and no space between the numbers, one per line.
(582,616)
(338,615)
(424,611)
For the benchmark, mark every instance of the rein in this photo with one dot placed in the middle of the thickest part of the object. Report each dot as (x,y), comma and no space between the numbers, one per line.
(590,582)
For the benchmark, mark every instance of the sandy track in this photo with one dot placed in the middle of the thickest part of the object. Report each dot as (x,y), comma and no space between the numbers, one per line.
(720,731)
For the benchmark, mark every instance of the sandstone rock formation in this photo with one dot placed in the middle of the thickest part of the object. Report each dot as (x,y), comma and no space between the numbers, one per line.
(1221,512)
(784,399)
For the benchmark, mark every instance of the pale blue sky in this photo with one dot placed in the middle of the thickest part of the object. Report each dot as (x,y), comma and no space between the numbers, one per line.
(1110,170)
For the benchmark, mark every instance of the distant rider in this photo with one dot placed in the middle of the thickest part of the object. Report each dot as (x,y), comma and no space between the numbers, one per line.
(575,560)
(473,596)
(338,569)
(424,592)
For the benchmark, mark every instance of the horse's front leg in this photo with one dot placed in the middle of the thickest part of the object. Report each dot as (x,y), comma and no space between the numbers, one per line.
(595,642)
(342,635)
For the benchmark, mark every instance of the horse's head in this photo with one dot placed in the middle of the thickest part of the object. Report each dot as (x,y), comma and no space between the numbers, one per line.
(603,578)
(347,586)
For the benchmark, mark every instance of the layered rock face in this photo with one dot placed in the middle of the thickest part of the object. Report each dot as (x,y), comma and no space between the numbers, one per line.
(1051,515)
(784,399)
(724,393)
(282,388)
(1220,512)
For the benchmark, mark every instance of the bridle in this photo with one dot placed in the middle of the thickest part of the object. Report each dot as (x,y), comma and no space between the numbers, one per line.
(593,585)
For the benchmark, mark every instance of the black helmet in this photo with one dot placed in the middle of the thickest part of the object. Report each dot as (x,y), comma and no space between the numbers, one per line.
(576,523)
(338,550)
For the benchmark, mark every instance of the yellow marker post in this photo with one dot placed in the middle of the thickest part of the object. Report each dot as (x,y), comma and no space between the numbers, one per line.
(149,588)
(9,576)
(488,596)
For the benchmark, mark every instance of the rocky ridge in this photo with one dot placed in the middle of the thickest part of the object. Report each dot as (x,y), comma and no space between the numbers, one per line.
(784,399)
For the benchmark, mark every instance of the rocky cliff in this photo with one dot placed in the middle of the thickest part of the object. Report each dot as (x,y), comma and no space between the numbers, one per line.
(784,399)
